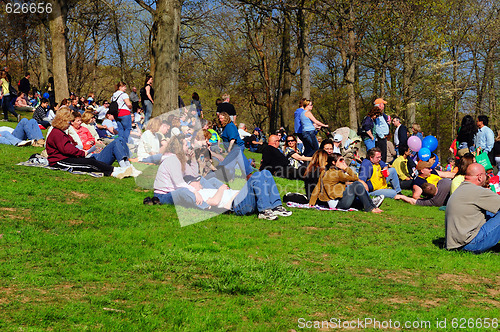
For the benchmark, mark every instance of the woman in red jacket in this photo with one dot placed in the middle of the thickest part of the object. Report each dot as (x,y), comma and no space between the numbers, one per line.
(63,153)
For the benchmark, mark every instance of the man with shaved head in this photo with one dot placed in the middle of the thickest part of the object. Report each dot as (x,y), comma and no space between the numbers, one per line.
(472,214)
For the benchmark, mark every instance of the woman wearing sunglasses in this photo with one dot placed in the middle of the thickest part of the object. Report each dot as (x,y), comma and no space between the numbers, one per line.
(340,187)
(294,155)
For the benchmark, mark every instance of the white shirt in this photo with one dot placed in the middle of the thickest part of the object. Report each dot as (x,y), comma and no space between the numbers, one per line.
(120,97)
(227,196)
(243,133)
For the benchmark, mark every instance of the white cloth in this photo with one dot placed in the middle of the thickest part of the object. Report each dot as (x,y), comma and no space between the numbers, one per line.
(109,123)
(227,196)
(148,145)
(101,112)
(9,129)
(243,133)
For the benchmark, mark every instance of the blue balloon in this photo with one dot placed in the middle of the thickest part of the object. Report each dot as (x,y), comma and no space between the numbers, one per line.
(424,154)
(46,95)
(430,142)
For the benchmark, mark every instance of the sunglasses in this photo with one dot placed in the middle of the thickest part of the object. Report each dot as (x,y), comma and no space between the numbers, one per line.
(290,140)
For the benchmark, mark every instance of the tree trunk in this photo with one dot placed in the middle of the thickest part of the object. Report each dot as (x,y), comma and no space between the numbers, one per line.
(44,67)
(166,54)
(286,111)
(58,35)
(351,71)
(120,48)
(408,83)
(456,97)
(304,52)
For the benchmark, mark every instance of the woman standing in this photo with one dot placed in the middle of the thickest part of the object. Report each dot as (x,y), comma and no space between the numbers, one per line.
(366,129)
(341,184)
(230,135)
(7,104)
(465,136)
(196,102)
(147,97)
(124,119)
(309,126)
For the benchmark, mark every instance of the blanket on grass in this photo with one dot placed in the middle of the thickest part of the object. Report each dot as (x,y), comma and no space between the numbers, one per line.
(317,207)
(37,160)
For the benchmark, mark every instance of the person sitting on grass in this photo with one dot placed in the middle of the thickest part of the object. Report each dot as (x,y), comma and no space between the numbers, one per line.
(404,167)
(462,164)
(89,122)
(27,132)
(148,149)
(63,153)
(295,157)
(109,127)
(427,174)
(259,195)
(276,162)
(313,170)
(80,134)
(169,185)
(374,172)
(22,105)
(41,112)
(472,217)
(339,187)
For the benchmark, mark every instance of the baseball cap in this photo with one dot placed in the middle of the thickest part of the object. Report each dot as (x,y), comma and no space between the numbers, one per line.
(189,178)
(257,129)
(337,138)
(379,101)
(423,164)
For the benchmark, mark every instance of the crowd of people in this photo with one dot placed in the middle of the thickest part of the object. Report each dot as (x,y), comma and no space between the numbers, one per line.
(198,158)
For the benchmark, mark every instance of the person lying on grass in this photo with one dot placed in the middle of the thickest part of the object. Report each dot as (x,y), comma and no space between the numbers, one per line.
(27,132)
(63,153)
(433,195)
(259,195)
(340,187)
(427,174)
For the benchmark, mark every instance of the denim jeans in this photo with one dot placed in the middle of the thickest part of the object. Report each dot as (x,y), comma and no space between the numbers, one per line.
(236,157)
(356,190)
(154,159)
(148,110)
(8,107)
(259,193)
(310,143)
(28,129)
(124,126)
(488,236)
(8,139)
(116,150)
(370,143)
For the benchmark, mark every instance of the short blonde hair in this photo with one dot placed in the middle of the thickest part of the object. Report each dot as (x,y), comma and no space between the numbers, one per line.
(63,117)
(87,116)
(154,125)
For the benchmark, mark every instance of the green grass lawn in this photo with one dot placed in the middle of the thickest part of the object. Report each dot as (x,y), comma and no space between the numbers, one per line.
(84,253)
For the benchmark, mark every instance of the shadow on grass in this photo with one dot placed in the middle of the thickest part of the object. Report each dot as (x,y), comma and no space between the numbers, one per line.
(439,242)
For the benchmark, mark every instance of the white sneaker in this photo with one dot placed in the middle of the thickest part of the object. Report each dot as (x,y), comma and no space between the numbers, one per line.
(377,200)
(122,172)
(135,172)
(24,143)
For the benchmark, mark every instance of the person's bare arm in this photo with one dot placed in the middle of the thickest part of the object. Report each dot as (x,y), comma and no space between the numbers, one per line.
(297,156)
(127,102)
(231,143)
(313,119)
(148,93)
(417,191)
(215,200)
(446,174)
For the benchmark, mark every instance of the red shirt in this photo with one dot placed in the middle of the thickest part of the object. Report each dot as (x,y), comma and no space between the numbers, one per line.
(60,146)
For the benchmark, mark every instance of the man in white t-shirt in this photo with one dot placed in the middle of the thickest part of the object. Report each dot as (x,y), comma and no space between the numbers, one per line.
(242,131)
(259,195)
(102,110)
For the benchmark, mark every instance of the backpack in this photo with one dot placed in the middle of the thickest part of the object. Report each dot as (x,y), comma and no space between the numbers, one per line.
(113,107)
(142,93)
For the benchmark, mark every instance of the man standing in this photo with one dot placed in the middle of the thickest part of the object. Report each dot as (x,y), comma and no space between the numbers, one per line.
(472,219)
(381,128)
(225,106)
(134,99)
(374,173)
(400,134)
(485,138)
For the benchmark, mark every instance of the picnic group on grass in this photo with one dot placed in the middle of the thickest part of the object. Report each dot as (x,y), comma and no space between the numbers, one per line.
(197,158)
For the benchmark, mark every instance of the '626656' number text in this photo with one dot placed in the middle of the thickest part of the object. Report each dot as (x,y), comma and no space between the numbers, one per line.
(26,8)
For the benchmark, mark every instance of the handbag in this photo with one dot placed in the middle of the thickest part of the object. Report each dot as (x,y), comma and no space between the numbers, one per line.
(484,160)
